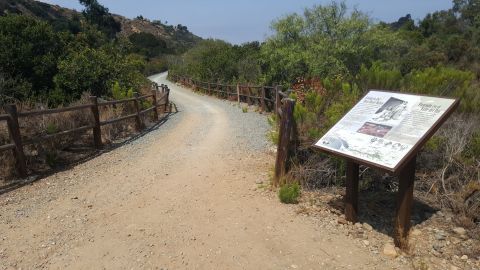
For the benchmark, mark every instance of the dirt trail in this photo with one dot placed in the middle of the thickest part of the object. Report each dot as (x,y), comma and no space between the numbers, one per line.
(182,197)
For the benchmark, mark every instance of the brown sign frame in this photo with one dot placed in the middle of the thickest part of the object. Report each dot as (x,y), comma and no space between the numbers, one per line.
(413,151)
(405,170)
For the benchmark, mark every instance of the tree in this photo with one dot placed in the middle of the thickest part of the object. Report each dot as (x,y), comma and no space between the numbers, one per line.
(211,60)
(99,15)
(147,44)
(29,51)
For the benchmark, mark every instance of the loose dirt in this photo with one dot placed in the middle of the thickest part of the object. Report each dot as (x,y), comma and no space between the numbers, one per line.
(185,196)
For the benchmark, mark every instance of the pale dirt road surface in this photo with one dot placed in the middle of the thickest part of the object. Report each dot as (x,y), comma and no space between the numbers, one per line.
(183,196)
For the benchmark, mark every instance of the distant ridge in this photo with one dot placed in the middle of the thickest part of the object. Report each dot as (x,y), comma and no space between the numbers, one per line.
(175,36)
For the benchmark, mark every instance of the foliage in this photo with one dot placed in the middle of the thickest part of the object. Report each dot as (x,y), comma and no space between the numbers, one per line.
(442,81)
(119,93)
(148,45)
(98,15)
(29,51)
(289,193)
(55,61)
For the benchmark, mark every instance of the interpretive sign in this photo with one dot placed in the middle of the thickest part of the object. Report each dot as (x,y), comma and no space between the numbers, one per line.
(385,128)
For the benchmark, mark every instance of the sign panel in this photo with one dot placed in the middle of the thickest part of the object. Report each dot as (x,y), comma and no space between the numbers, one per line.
(384,127)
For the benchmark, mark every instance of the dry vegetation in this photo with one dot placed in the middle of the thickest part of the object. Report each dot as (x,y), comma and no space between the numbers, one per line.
(60,151)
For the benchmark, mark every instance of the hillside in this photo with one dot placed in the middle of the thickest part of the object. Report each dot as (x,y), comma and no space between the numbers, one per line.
(176,37)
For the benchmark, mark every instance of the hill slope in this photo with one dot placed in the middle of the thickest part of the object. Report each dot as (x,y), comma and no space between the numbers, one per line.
(177,37)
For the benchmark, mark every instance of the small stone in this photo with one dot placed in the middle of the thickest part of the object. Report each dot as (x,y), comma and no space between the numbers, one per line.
(366,243)
(453,267)
(294,266)
(459,231)
(438,247)
(390,251)
(358,225)
(416,232)
(464,257)
(367,227)
(440,236)
(342,221)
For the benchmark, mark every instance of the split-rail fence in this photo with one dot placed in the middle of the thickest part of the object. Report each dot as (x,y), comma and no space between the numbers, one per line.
(160,100)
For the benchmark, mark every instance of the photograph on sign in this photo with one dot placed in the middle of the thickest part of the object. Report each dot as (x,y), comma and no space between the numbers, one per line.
(383,127)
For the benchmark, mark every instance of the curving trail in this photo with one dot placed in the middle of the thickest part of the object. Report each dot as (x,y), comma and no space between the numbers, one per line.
(184,196)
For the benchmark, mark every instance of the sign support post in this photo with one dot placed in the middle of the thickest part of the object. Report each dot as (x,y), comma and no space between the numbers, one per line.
(351,196)
(406,180)
(385,131)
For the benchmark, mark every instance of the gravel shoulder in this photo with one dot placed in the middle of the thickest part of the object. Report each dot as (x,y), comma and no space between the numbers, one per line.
(184,196)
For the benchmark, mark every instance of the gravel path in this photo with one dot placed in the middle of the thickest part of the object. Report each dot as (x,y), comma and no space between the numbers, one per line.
(184,196)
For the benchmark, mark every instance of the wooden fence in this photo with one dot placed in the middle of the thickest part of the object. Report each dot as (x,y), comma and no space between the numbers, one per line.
(268,99)
(160,100)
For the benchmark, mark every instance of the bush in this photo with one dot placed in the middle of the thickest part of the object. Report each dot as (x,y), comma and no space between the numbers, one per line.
(289,193)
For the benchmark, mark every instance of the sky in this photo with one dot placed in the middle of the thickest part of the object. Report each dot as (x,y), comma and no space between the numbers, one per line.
(239,21)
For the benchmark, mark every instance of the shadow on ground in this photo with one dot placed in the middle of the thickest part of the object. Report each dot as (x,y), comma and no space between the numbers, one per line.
(378,208)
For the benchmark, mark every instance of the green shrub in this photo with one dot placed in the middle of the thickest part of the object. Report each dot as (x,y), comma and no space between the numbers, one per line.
(439,81)
(472,150)
(289,193)
(378,77)
(51,128)
(350,95)
(273,134)
(244,109)
(51,159)
(119,93)
(434,143)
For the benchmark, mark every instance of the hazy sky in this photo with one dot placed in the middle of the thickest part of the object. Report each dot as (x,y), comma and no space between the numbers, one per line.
(239,21)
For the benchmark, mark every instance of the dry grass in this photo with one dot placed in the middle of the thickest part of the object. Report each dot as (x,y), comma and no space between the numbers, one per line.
(445,177)
(65,149)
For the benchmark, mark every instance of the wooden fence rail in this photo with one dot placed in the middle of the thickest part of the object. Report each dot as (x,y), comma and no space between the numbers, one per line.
(268,98)
(160,99)
(263,96)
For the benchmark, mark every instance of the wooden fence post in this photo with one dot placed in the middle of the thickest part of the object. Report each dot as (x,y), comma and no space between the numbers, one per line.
(97,132)
(278,102)
(262,101)
(406,180)
(286,127)
(167,101)
(155,109)
(138,118)
(16,138)
(238,93)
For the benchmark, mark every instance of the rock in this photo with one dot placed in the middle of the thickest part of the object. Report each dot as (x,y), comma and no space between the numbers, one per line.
(440,236)
(464,257)
(459,231)
(416,232)
(367,227)
(390,251)
(438,247)
(366,243)
(342,221)
(358,225)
